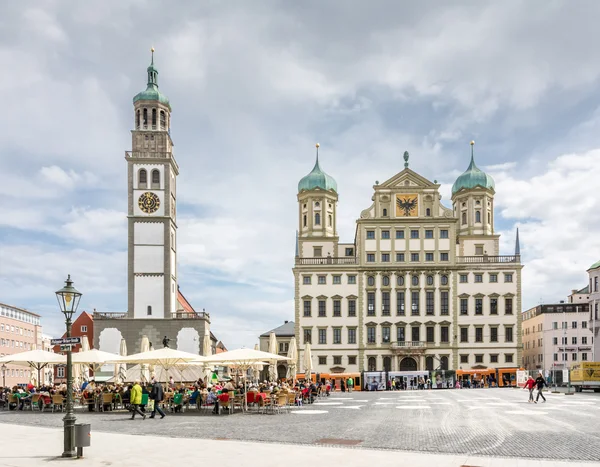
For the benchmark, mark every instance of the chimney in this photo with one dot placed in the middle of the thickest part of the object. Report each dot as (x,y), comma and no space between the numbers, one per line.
(285,322)
(562,301)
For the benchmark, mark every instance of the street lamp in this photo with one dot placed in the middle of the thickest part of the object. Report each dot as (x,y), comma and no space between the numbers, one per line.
(3,368)
(68,300)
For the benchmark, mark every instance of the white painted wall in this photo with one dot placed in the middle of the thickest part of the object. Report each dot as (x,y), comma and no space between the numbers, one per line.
(148,259)
(149,233)
(148,292)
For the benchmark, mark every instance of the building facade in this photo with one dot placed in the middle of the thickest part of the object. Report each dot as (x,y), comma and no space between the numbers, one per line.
(283,334)
(594,296)
(20,331)
(422,286)
(83,326)
(152,234)
(556,337)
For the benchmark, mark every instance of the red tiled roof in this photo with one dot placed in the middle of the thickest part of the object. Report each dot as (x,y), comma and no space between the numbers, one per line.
(184,303)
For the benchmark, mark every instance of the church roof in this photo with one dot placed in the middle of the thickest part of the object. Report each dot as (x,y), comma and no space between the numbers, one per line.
(317,178)
(152,93)
(285,330)
(473,177)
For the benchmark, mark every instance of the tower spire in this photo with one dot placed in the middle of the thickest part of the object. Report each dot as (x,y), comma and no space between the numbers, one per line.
(472,164)
(517,244)
(152,72)
(317,146)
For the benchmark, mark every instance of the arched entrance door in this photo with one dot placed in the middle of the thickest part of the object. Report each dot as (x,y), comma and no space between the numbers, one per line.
(281,372)
(408,364)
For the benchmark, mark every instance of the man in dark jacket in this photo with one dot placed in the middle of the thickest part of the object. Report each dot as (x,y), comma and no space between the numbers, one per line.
(157,395)
(540,383)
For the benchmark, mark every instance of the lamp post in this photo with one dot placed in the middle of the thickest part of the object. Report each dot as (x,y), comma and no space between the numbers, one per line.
(3,367)
(68,299)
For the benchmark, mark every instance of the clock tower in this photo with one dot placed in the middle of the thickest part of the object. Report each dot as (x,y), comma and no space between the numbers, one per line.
(152,230)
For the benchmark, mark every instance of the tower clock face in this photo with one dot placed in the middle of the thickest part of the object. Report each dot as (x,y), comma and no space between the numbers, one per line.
(149,202)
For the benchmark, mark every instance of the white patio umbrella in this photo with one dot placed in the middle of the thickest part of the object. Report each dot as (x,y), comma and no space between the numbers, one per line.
(257,368)
(206,351)
(151,367)
(273,350)
(165,357)
(36,359)
(144,370)
(121,368)
(293,356)
(94,358)
(243,359)
(307,362)
(83,368)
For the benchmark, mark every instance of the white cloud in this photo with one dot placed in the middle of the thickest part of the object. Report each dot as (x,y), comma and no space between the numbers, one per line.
(253,88)
(558,214)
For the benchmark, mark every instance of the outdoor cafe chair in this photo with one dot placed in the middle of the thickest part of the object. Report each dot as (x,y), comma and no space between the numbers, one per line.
(13,400)
(58,401)
(107,401)
(177,400)
(45,403)
(35,400)
(280,404)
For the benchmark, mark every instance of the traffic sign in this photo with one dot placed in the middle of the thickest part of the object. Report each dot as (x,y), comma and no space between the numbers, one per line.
(66,340)
(66,348)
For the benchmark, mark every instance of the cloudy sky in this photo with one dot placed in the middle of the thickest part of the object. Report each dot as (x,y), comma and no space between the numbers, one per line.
(253,86)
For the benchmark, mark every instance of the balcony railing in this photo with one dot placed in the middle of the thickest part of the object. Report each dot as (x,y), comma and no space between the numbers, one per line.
(148,154)
(201,315)
(98,315)
(108,315)
(489,259)
(408,345)
(326,260)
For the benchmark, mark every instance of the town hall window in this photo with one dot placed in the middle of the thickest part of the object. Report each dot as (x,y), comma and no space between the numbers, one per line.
(478,216)
(317,219)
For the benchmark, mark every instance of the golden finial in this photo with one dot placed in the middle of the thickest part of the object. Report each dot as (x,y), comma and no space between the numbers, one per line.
(317,145)
(472,142)
(152,50)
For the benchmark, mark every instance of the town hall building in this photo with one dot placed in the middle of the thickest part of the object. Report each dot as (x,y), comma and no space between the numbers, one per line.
(422,287)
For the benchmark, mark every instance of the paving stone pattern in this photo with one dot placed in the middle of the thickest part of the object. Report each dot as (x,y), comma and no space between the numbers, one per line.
(486,422)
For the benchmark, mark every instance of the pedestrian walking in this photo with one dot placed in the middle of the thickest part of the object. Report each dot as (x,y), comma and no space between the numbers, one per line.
(540,383)
(343,385)
(135,400)
(350,384)
(530,384)
(157,395)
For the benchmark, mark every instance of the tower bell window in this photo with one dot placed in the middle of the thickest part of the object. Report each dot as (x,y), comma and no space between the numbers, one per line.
(154,119)
(329,220)
(142,178)
(149,310)
(163,120)
(137,119)
(155,179)
(304,221)
(145,119)
(464,218)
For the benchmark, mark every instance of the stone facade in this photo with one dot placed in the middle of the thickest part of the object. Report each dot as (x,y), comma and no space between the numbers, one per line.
(556,337)
(594,297)
(422,286)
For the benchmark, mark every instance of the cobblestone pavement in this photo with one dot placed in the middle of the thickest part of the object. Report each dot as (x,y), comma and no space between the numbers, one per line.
(483,422)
